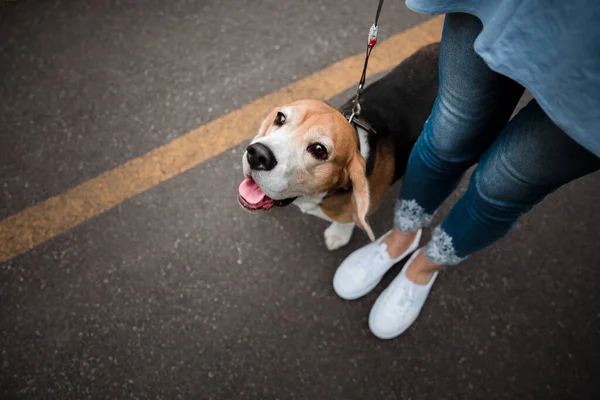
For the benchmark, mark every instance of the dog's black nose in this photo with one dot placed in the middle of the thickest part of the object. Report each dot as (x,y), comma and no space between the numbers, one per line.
(260,157)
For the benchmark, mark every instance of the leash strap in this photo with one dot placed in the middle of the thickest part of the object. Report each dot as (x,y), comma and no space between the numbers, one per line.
(372,41)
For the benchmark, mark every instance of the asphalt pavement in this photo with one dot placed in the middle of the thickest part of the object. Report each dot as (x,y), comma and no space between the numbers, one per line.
(178,294)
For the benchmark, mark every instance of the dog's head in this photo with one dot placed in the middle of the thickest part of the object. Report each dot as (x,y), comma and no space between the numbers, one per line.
(301,149)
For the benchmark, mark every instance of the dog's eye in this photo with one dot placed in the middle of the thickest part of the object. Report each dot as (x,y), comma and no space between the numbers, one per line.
(279,119)
(318,151)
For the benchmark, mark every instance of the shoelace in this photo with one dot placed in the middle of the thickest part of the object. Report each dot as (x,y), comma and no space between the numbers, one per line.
(382,254)
(406,299)
(403,297)
(378,258)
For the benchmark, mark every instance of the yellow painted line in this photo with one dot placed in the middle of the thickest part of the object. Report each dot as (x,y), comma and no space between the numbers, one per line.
(35,225)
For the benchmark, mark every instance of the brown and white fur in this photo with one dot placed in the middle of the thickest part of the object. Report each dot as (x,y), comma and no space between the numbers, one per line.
(348,184)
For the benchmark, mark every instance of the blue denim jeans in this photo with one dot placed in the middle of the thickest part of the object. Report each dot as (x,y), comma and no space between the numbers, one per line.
(521,160)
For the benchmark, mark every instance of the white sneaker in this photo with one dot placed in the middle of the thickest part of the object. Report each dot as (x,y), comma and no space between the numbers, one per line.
(399,305)
(362,270)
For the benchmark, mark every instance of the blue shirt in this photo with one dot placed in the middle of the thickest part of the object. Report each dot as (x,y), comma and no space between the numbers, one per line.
(551,47)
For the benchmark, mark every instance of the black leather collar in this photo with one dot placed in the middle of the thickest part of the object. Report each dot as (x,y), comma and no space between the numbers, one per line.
(356,122)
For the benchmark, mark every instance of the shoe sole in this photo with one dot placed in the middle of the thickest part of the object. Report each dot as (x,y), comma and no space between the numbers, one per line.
(396,333)
(362,292)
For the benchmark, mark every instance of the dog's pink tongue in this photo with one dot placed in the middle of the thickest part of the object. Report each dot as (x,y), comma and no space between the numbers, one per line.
(251,192)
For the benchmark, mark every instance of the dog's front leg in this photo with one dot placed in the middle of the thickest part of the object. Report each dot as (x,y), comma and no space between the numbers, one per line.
(338,235)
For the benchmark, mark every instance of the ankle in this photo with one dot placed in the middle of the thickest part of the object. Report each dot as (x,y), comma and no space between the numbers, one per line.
(397,242)
(422,269)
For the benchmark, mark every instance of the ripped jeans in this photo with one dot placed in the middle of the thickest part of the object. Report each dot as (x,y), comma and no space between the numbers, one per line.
(520,161)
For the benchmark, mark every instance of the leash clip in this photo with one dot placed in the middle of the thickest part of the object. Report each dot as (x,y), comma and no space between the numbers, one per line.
(355,105)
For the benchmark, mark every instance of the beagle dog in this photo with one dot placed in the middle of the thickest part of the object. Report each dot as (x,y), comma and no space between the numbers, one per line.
(308,154)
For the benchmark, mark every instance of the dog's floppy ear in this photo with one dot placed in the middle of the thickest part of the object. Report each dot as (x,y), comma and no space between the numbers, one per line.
(360,192)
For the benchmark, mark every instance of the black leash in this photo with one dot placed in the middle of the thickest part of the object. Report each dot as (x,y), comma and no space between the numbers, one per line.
(371,43)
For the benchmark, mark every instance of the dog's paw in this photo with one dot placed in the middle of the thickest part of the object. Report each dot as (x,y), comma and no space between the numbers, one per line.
(338,235)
